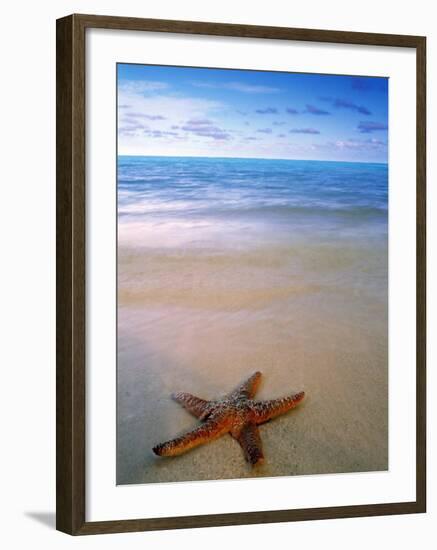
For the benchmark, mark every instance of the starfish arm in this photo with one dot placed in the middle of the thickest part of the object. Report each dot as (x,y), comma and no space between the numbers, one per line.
(266,410)
(249,387)
(209,430)
(250,441)
(196,406)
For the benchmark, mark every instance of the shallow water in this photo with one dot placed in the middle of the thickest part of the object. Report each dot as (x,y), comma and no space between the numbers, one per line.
(227,266)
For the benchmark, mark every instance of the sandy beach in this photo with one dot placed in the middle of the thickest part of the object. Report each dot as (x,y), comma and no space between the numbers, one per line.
(199,310)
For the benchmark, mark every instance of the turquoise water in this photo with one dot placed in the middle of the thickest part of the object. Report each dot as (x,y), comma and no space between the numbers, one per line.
(167,186)
(210,202)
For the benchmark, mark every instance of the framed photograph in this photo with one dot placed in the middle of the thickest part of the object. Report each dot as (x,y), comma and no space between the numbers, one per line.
(240,274)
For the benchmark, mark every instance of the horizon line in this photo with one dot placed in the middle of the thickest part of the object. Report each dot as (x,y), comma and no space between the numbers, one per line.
(253,158)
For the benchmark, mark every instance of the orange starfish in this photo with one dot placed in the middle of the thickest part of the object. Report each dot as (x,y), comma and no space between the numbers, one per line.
(237,414)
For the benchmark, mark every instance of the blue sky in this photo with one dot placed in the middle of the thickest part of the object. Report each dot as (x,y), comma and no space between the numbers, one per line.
(179,111)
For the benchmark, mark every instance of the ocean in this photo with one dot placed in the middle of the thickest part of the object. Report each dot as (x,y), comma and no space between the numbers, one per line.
(245,193)
(227,266)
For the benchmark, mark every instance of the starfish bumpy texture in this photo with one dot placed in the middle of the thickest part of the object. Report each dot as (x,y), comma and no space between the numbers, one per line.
(237,414)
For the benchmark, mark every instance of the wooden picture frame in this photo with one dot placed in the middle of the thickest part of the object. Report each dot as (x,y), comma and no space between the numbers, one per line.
(71,258)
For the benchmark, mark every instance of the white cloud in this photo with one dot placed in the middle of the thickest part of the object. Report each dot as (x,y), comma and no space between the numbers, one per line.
(361,144)
(252,89)
(140,86)
(171,107)
(238,87)
(147,121)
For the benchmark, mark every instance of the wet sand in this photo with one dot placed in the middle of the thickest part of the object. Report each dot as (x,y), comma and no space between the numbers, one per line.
(309,313)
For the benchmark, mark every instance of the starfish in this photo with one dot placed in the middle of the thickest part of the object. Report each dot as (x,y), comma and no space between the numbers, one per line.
(237,413)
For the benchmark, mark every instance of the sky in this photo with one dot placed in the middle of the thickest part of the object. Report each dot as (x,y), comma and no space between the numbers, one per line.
(182,111)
